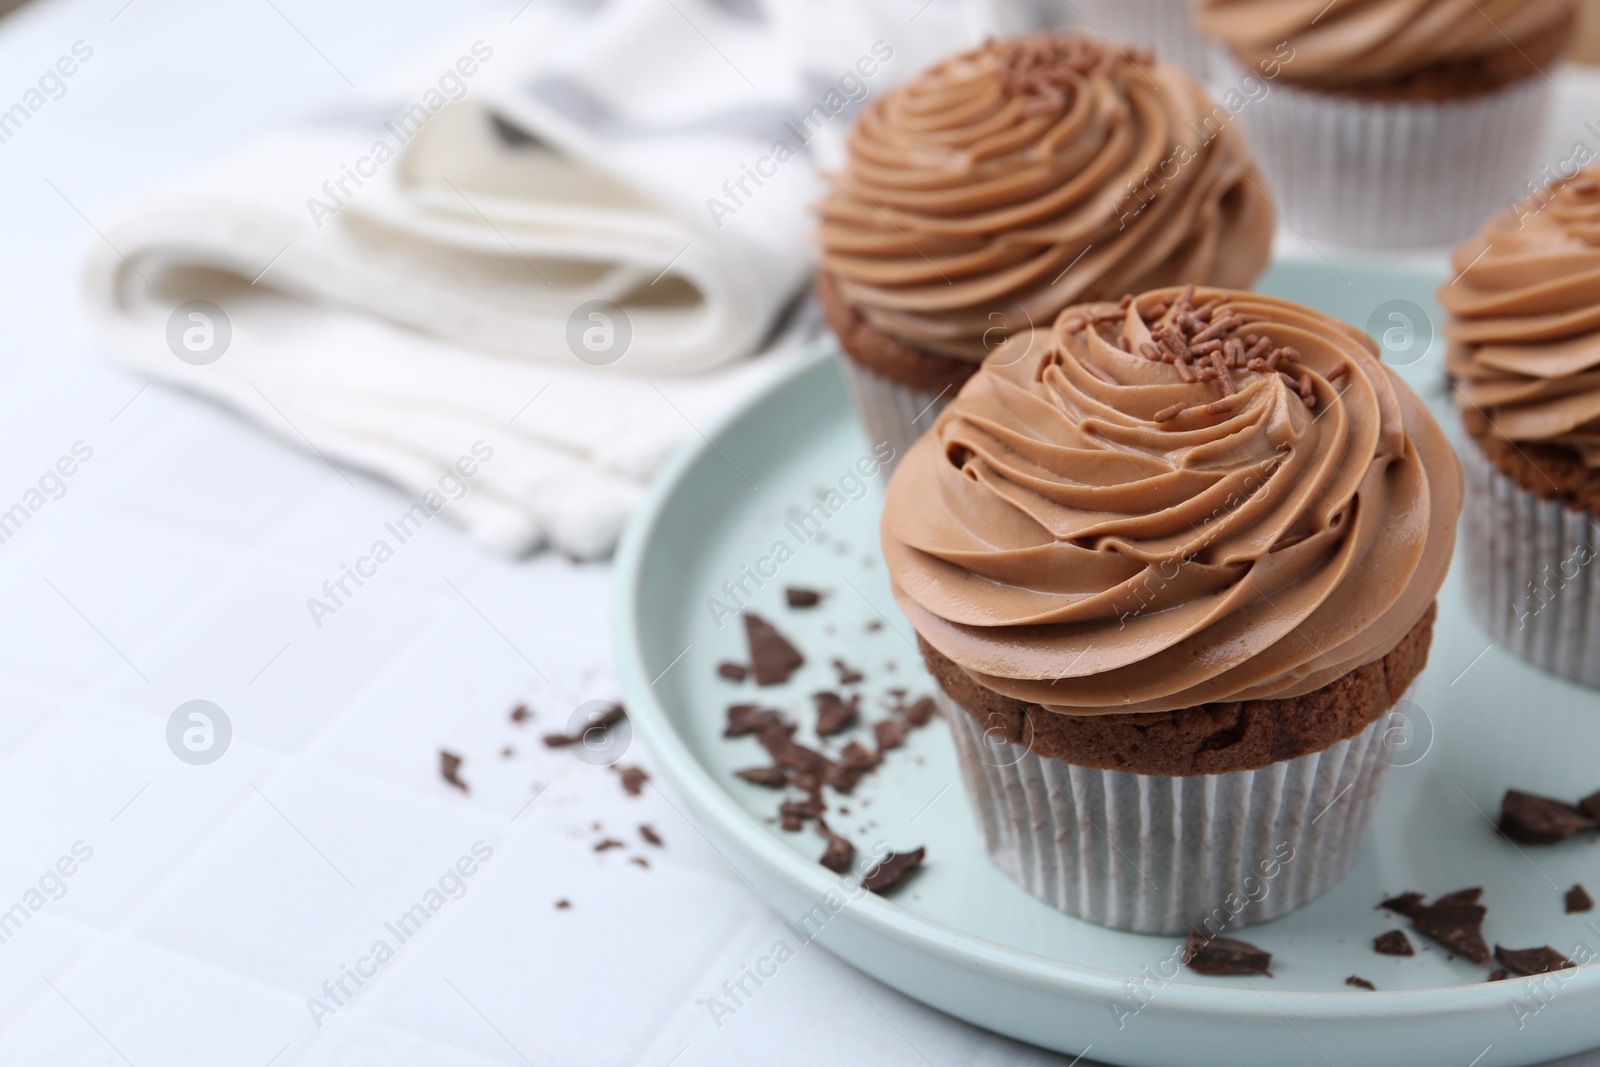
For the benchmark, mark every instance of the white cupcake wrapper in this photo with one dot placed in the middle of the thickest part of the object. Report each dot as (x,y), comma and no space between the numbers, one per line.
(891,411)
(1531,581)
(1384,174)
(1163,855)
(1166,27)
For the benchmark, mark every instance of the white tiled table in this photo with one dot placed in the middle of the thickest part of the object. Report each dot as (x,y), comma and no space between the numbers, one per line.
(175,567)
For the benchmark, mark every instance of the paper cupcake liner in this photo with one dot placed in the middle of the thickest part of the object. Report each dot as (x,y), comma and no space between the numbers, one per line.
(1384,174)
(1530,579)
(1161,855)
(1166,27)
(891,411)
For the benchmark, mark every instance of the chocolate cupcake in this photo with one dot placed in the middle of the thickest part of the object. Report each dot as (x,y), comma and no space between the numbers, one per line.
(1173,571)
(1524,355)
(1394,122)
(1002,185)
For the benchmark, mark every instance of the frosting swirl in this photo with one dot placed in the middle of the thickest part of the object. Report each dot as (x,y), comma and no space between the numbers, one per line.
(1005,183)
(1525,319)
(1086,530)
(1355,41)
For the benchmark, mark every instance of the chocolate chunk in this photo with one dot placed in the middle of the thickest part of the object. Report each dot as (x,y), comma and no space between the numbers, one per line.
(802,598)
(1531,960)
(772,657)
(921,711)
(892,869)
(787,752)
(648,832)
(750,719)
(1393,943)
(607,844)
(563,904)
(1590,806)
(848,675)
(1406,904)
(771,777)
(639,861)
(1536,820)
(520,713)
(1456,922)
(1359,982)
(734,672)
(1577,899)
(839,851)
(855,760)
(449,765)
(1499,974)
(834,714)
(633,779)
(888,733)
(1224,955)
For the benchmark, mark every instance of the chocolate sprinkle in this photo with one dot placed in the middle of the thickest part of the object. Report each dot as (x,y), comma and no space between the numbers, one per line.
(1393,943)
(734,672)
(1531,960)
(802,598)
(892,870)
(449,766)
(771,777)
(834,714)
(1359,983)
(1577,899)
(1537,820)
(772,657)
(1224,956)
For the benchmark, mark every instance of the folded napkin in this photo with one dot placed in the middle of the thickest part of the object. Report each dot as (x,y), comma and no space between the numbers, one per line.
(513,279)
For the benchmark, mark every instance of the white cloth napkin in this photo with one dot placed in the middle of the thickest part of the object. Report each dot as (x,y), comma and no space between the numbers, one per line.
(514,278)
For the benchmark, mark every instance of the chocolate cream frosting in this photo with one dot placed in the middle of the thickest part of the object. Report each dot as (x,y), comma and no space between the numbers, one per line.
(1002,185)
(1354,41)
(1524,319)
(1110,517)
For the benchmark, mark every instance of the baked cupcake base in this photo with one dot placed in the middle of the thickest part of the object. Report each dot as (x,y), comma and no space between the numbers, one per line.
(897,390)
(1167,853)
(1529,569)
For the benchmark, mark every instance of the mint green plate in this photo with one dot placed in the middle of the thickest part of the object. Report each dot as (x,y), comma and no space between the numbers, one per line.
(959,935)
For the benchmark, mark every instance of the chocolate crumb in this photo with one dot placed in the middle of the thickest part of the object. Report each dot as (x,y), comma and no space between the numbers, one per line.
(520,713)
(563,904)
(921,711)
(1577,899)
(855,760)
(787,752)
(834,714)
(790,823)
(607,844)
(1224,956)
(750,719)
(772,657)
(874,625)
(848,675)
(888,733)
(633,779)
(559,740)
(1531,960)
(1359,983)
(1536,820)
(771,777)
(608,718)
(639,861)
(892,870)
(507,752)
(449,766)
(811,807)
(734,672)
(802,598)
(1499,974)
(648,832)
(1393,943)
(838,853)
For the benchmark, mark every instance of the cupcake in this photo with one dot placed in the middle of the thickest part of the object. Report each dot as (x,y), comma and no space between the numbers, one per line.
(1165,27)
(1393,123)
(1174,570)
(1524,356)
(1002,185)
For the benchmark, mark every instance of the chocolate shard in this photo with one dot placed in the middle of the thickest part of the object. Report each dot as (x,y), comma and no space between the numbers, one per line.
(787,752)
(733,672)
(1405,904)
(1360,983)
(449,768)
(802,598)
(855,760)
(1577,899)
(1499,974)
(838,853)
(810,807)
(648,832)
(892,870)
(771,777)
(772,657)
(1393,943)
(1535,820)
(559,740)
(1456,922)
(888,733)
(1224,956)
(1590,805)
(835,714)
(750,719)
(848,675)
(1460,896)
(1531,960)
(921,711)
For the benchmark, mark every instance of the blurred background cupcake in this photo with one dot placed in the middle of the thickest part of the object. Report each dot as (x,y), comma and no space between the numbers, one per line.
(1395,123)
(1171,572)
(1005,183)
(1165,27)
(1524,354)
